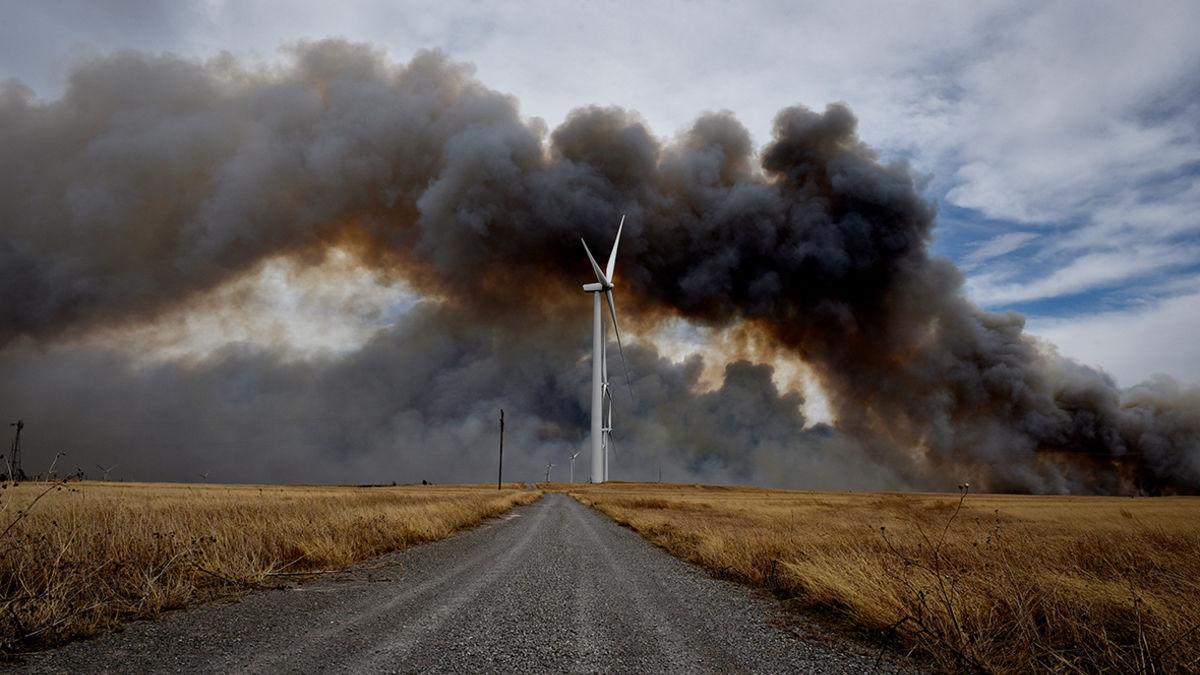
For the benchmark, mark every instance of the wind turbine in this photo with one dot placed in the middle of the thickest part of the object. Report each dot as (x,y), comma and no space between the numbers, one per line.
(107,471)
(548,467)
(601,433)
(573,465)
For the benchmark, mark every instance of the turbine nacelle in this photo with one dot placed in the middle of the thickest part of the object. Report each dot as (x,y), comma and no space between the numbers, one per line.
(603,281)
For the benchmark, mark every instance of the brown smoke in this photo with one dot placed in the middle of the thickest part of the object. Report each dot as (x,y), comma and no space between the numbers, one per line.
(154,180)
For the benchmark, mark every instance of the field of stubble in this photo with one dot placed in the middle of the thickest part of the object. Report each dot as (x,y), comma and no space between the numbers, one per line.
(995,583)
(77,558)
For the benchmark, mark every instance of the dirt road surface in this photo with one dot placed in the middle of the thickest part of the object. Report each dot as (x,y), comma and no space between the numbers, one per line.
(553,586)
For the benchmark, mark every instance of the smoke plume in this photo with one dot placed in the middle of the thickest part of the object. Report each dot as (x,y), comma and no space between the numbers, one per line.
(154,181)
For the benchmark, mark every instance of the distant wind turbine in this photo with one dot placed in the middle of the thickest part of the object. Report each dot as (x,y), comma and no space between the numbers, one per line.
(204,475)
(548,467)
(107,471)
(573,465)
(601,432)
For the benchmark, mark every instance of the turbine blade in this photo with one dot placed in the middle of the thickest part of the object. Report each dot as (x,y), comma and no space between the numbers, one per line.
(608,411)
(612,310)
(599,273)
(625,369)
(612,257)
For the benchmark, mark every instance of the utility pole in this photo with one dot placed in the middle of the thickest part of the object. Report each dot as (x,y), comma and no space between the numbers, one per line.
(500,471)
(15,471)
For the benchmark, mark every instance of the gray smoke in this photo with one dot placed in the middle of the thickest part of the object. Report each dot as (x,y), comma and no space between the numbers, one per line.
(154,179)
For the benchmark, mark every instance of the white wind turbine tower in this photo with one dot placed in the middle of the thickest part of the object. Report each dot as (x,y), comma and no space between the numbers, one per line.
(601,423)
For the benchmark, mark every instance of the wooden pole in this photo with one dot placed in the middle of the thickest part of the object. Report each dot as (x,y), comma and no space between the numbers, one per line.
(500,471)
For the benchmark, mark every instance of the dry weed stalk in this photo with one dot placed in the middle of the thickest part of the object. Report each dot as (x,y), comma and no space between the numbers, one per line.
(934,594)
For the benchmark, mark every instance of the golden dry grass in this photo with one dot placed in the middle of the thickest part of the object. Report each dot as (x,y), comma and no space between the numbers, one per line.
(1008,584)
(90,555)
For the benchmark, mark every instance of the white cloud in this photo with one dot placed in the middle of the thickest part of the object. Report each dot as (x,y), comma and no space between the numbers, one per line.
(997,246)
(1132,345)
(1131,220)
(1082,274)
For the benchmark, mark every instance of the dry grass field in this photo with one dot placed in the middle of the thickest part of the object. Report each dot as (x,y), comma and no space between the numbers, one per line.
(89,555)
(993,583)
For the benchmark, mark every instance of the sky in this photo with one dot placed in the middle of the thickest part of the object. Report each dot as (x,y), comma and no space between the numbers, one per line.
(1056,147)
(1061,141)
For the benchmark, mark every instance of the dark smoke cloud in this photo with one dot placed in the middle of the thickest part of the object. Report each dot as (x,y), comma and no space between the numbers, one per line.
(418,402)
(155,180)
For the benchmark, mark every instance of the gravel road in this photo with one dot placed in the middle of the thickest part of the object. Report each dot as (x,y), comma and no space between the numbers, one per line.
(553,586)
